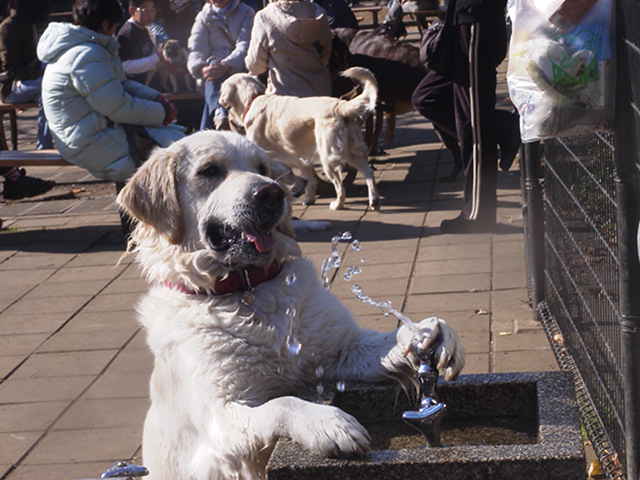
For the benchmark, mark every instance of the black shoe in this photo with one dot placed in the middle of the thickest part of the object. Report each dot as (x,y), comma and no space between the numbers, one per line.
(23,186)
(461,224)
(510,146)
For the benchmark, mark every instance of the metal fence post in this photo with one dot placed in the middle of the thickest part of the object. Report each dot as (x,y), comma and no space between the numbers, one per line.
(531,155)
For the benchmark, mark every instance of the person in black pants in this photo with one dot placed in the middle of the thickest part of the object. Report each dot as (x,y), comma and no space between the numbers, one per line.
(462,109)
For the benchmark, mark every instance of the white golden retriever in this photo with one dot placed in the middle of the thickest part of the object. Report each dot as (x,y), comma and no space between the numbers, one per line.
(215,242)
(301,132)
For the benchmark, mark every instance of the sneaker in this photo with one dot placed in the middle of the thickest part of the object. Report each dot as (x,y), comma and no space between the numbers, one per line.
(461,224)
(22,186)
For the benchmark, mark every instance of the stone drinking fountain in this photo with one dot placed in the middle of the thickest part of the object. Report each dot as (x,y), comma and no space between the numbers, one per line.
(491,426)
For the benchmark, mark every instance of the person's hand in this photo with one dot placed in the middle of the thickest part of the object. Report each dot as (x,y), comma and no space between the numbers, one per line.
(215,71)
(170,112)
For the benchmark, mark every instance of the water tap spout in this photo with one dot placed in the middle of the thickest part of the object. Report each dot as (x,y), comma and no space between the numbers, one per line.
(427,419)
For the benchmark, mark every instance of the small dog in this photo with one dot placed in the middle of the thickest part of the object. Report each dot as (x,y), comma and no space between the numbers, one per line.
(301,132)
(172,73)
(230,293)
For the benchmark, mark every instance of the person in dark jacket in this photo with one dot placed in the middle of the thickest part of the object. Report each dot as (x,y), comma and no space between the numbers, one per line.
(21,74)
(462,109)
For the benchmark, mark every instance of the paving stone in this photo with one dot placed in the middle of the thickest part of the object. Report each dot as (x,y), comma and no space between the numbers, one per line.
(139,342)
(448,302)
(503,263)
(64,364)
(521,341)
(21,344)
(455,239)
(127,285)
(70,446)
(132,360)
(113,303)
(28,278)
(524,361)
(98,339)
(33,262)
(450,267)
(120,384)
(32,323)
(88,322)
(30,304)
(8,363)
(375,271)
(473,282)
(77,274)
(476,363)
(20,390)
(56,288)
(453,252)
(29,417)
(14,445)
(59,471)
(102,258)
(103,413)
(515,279)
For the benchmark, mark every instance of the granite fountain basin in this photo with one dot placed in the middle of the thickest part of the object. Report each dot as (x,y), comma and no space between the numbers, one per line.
(497,426)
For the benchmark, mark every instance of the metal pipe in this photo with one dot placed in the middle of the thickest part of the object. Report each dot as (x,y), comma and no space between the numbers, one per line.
(531,154)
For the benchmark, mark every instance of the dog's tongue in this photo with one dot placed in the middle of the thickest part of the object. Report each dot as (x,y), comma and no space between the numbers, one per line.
(263,242)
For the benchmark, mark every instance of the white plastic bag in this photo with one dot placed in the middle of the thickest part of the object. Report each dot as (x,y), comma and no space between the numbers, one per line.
(561,71)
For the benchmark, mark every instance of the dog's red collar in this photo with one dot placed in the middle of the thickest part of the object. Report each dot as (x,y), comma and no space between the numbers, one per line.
(236,281)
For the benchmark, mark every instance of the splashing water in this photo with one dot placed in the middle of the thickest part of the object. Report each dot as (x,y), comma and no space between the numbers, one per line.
(319,371)
(355,246)
(350,272)
(320,389)
(334,260)
(341,386)
(291,312)
(385,306)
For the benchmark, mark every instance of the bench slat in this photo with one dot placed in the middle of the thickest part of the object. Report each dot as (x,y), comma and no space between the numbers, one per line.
(31,158)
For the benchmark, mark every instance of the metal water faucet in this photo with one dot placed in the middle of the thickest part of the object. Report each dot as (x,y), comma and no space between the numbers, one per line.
(427,419)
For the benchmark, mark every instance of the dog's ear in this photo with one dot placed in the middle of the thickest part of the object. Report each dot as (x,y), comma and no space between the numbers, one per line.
(228,96)
(151,196)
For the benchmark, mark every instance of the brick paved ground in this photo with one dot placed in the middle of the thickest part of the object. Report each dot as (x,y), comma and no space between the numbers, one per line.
(73,362)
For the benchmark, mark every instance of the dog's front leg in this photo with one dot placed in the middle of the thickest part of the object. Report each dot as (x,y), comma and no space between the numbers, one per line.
(374,356)
(322,429)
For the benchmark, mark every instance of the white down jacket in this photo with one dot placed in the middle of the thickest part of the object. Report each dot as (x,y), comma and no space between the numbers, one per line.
(86,97)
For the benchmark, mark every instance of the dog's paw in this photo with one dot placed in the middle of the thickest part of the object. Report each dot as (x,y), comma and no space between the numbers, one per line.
(336,205)
(330,432)
(374,204)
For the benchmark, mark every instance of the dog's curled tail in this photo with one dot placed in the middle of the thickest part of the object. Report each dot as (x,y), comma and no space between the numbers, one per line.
(366,101)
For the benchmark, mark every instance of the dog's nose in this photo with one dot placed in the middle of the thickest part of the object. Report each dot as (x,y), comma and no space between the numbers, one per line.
(268,195)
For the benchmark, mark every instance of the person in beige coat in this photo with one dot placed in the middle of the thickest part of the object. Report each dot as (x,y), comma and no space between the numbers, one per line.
(291,40)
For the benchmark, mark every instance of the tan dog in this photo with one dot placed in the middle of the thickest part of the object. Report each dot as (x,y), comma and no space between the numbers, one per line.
(301,132)
(214,240)
(171,71)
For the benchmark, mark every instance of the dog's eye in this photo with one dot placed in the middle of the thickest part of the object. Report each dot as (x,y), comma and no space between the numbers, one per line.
(263,170)
(211,171)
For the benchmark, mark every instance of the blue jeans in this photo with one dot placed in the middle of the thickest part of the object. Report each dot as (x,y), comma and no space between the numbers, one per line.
(28,91)
(211,106)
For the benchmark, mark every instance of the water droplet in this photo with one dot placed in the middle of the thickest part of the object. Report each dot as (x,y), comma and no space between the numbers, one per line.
(319,371)
(291,311)
(362,260)
(294,347)
(290,279)
(341,386)
(346,236)
(355,246)
(356,270)
(348,274)
(320,389)
(356,290)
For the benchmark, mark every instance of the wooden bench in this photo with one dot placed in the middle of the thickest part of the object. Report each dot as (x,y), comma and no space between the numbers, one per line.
(12,110)
(32,158)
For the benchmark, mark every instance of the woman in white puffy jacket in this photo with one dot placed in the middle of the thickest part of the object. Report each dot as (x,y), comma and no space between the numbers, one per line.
(217,46)
(87,99)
